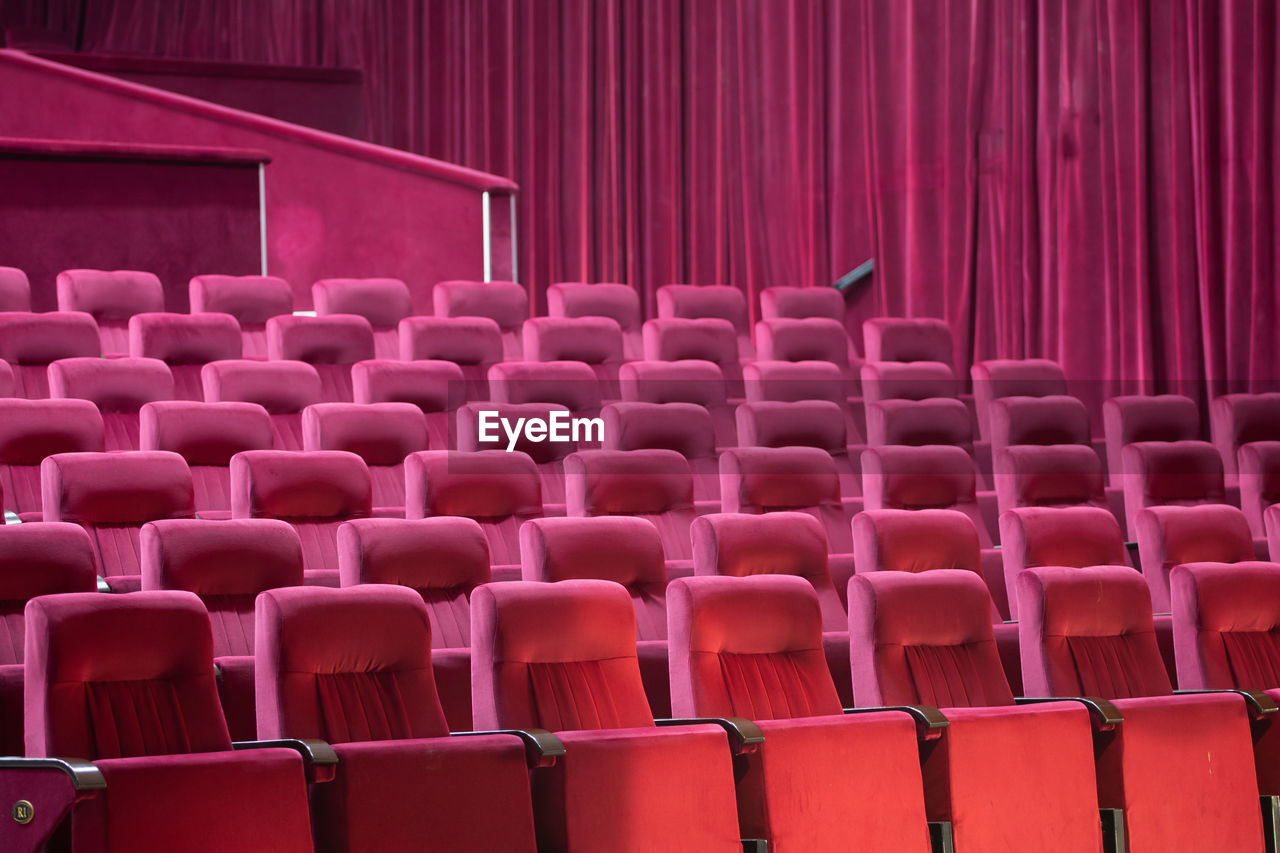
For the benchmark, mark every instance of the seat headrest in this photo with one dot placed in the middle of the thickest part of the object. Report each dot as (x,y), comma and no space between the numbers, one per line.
(686,428)
(1027,377)
(484,484)
(1053,475)
(625,482)
(1260,461)
(185,338)
(204,433)
(237,557)
(1174,471)
(301,485)
(769,478)
(616,301)
(689,381)
(901,540)
(384,302)
(116,488)
(1099,601)
(801,302)
(1241,597)
(947,607)
(111,295)
(504,302)
(1077,536)
(251,299)
(379,433)
(541,452)
(332,339)
(803,423)
(569,383)
(30,430)
(1209,533)
(914,380)
(907,339)
(461,340)
(678,339)
(775,543)
(622,549)
(809,339)
(32,339)
(423,553)
(1164,417)
(280,387)
(432,386)
(1039,420)
(593,340)
(936,420)
(1244,418)
(45,559)
(789,381)
(15,290)
(690,301)
(758,615)
(926,477)
(574,620)
(113,384)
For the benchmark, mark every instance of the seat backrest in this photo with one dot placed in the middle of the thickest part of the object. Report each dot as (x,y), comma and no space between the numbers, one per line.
(28,339)
(226,563)
(1164,417)
(686,428)
(379,433)
(204,433)
(332,339)
(899,540)
(801,302)
(1171,473)
(1212,533)
(544,654)
(251,299)
(924,638)
(625,550)
(99,686)
(1074,536)
(38,559)
(690,301)
(748,647)
(570,383)
(935,420)
(689,381)
(185,338)
(809,339)
(115,385)
(1238,419)
(787,381)
(779,543)
(1259,482)
(655,484)
(461,340)
(1030,377)
(30,430)
(592,340)
(504,302)
(916,380)
(803,423)
(766,479)
(1226,626)
(384,302)
(619,302)
(121,489)
(471,434)
(706,339)
(345,665)
(15,290)
(1052,475)
(442,559)
(926,477)
(280,387)
(320,485)
(1038,420)
(907,339)
(109,295)
(1088,632)
(432,386)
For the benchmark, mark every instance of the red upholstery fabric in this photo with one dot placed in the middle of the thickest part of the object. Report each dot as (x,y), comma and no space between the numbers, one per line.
(185,342)
(908,339)
(382,434)
(283,388)
(803,423)
(619,302)
(1078,536)
(1259,483)
(1170,473)
(1051,475)
(687,428)
(809,339)
(920,380)
(29,342)
(1239,419)
(896,540)
(15,290)
(1164,417)
(504,302)
(473,343)
(801,302)
(30,430)
(384,302)
(1171,535)
(1038,420)
(251,299)
(118,386)
(934,420)
(438,388)
(500,490)
(594,340)
(690,381)
(111,297)
(705,339)
(928,477)
(767,479)
(37,559)
(1226,625)
(1031,377)
(787,381)
(331,344)
(569,383)
(687,301)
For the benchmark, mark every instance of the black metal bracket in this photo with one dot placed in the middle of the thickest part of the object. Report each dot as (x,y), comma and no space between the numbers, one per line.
(541,747)
(1104,716)
(940,837)
(1113,834)
(929,720)
(744,735)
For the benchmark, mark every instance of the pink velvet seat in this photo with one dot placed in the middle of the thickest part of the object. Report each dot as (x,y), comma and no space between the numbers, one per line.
(1049,475)
(1029,377)
(803,423)
(185,342)
(30,342)
(382,434)
(908,339)
(1162,417)
(789,381)
(15,290)
(384,302)
(933,420)
(704,339)
(571,384)
(251,299)
(801,302)
(917,380)
(693,302)
(504,302)
(1236,420)
(1169,536)
(807,339)
(31,430)
(1055,419)
(331,344)
(119,387)
(206,435)
(700,383)
(436,387)
(314,491)
(548,455)
(227,564)
(111,297)
(283,388)
(1170,473)
(926,477)
(618,302)
(1259,485)
(473,343)
(686,428)
(595,341)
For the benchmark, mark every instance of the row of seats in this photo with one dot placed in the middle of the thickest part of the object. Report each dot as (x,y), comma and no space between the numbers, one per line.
(357,750)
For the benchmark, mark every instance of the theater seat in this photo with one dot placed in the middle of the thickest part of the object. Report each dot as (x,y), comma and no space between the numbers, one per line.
(473,343)
(382,434)
(251,299)
(119,387)
(164,773)
(618,302)
(690,381)
(185,342)
(111,297)
(504,302)
(30,342)
(227,564)
(1049,475)
(594,341)
(1029,377)
(1089,632)
(917,380)
(926,477)
(1169,536)
(283,388)
(111,495)
(787,382)
(330,344)
(808,339)
(908,339)
(353,666)
(443,559)
(15,290)
(1056,419)
(571,384)
(803,423)
(625,550)
(934,420)
(384,302)
(692,302)
(31,430)
(542,653)
(686,428)
(1259,485)
(705,339)
(801,302)
(752,647)
(1129,419)
(1239,419)
(1170,473)
(314,491)
(435,387)
(548,455)
(206,435)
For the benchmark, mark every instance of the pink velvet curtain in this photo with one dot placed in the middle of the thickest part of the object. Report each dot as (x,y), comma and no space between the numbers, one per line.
(1094,181)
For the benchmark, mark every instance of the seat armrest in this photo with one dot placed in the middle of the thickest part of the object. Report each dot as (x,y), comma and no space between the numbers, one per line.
(744,736)
(320,759)
(1259,704)
(1104,716)
(37,794)
(929,720)
(85,775)
(541,747)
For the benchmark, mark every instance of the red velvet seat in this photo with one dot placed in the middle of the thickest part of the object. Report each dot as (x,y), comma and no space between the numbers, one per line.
(690,381)
(185,342)
(1089,632)
(35,560)
(1129,419)
(917,380)
(546,656)
(934,420)
(473,343)
(227,564)
(443,559)
(15,290)
(1169,536)
(801,302)
(686,428)
(330,344)
(752,647)
(625,550)
(504,302)
(314,491)
(595,341)
(101,688)
(1239,419)
(548,455)
(803,423)
(384,302)
(788,381)
(31,430)
(1170,473)
(1077,536)
(1016,778)
(119,387)
(926,477)
(111,297)
(653,484)
(780,543)
(353,666)
(436,387)
(1056,419)
(705,339)
(693,302)
(30,342)
(619,302)
(111,495)
(908,339)
(283,388)
(382,434)
(1259,485)
(1049,475)
(500,490)
(251,299)
(1029,377)
(207,435)
(808,339)
(571,384)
